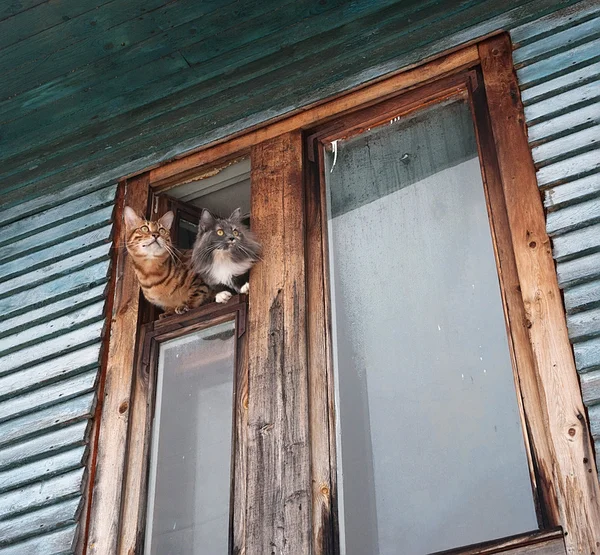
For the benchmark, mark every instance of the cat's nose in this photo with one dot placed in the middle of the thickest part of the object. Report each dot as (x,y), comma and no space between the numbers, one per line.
(231,238)
(155,235)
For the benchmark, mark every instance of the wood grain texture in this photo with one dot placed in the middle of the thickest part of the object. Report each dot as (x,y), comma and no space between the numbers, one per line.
(575,483)
(548,542)
(279,484)
(110,459)
(319,113)
(320,377)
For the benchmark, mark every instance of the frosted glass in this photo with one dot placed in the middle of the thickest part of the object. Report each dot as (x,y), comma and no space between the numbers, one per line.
(430,446)
(189,483)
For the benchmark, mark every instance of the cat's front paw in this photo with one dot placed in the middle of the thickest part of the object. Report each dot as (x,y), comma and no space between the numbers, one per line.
(245,288)
(182,309)
(223,296)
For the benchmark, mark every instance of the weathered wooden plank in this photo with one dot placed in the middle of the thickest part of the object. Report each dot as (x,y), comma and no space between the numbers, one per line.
(560,103)
(576,191)
(61,210)
(565,123)
(41,521)
(274,33)
(52,370)
(37,495)
(578,242)
(57,269)
(60,541)
(574,217)
(195,86)
(52,417)
(52,311)
(47,330)
(279,483)
(584,325)
(55,290)
(299,82)
(567,170)
(572,272)
(51,348)
(535,543)
(566,146)
(582,296)
(10,9)
(562,62)
(57,392)
(41,446)
(75,227)
(320,383)
(556,42)
(558,85)
(542,26)
(42,469)
(587,355)
(25,25)
(104,512)
(590,386)
(594,412)
(577,490)
(343,77)
(39,263)
(116,30)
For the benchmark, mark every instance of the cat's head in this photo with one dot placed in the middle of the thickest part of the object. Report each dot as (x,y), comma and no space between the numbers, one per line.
(228,237)
(146,239)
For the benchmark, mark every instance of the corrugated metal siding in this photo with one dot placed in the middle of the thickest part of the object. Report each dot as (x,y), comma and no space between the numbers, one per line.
(558,66)
(54,262)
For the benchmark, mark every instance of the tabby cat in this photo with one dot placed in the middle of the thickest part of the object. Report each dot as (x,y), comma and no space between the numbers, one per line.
(224,251)
(164,273)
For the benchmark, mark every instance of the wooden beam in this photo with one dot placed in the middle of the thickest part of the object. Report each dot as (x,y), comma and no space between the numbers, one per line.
(572,470)
(110,461)
(547,542)
(279,486)
(320,113)
(320,375)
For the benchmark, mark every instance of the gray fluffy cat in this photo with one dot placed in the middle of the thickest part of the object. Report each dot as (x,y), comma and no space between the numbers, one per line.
(224,251)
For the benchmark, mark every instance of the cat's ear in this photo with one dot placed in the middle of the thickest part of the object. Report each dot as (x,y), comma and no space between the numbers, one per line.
(131,218)
(166,220)
(206,220)
(236,214)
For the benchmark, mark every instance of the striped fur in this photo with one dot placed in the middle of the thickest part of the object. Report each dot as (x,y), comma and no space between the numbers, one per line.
(165,274)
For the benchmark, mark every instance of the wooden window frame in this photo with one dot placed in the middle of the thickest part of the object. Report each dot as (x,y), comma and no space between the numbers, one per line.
(289,480)
(144,405)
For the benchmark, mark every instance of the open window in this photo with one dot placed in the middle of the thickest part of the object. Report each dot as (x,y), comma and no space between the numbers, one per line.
(403,382)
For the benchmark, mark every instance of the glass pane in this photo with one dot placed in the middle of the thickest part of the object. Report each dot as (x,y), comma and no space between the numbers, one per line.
(430,446)
(189,483)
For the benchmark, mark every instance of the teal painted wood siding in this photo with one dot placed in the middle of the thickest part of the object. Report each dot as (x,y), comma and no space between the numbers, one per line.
(95,88)
(54,262)
(558,67)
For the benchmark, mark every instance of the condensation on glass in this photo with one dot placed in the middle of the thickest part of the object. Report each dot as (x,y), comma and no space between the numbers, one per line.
(430,447)
(189,481)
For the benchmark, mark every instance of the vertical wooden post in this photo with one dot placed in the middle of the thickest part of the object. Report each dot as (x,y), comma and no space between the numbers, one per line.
(279,488)
(110,461)
(572,470)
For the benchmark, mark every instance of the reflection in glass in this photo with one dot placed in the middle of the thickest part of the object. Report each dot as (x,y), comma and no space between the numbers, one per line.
(430,446)
(189,482)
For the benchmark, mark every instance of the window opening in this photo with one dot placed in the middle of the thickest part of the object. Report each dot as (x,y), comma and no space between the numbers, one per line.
(431,452)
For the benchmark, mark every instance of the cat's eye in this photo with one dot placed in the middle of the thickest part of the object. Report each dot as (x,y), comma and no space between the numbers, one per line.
(163,231)
(220,232)
(145,229)
(236,232)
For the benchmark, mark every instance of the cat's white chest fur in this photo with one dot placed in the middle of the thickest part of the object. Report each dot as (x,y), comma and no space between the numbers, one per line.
(223,268)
